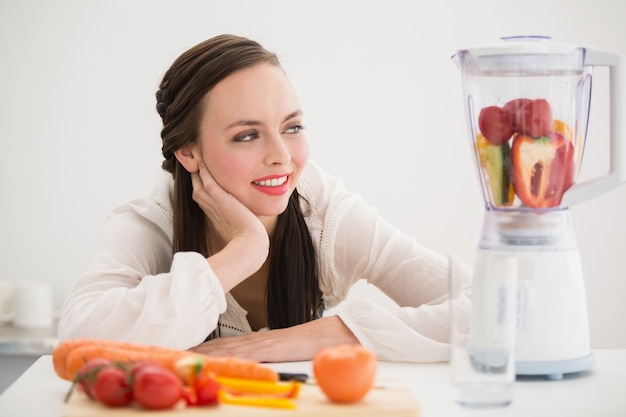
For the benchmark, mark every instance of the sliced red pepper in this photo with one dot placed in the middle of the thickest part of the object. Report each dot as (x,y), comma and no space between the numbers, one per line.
(203,391)
(543,169)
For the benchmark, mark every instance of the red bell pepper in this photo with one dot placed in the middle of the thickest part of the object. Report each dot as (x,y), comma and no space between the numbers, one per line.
(542,169)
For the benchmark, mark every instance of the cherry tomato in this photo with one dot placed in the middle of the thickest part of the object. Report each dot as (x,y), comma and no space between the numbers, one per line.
(496,124)
(514,105)
(345,373)
(137,365)
(86,375)
(112,387)
(156,387)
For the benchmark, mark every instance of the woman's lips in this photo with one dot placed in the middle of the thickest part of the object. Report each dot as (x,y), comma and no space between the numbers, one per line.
(273,184)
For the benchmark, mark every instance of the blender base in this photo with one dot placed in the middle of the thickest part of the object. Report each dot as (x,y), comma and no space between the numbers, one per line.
(554,370)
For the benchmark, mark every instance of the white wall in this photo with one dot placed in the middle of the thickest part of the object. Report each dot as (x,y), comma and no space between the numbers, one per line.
(382,99)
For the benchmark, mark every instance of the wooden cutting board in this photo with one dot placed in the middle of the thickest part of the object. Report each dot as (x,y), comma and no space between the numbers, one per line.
(389,399)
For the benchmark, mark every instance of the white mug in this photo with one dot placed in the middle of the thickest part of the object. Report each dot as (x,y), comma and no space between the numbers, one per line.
(31,305)
(7,292)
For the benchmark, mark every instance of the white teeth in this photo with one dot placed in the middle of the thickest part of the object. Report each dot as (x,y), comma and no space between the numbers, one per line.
(274,182)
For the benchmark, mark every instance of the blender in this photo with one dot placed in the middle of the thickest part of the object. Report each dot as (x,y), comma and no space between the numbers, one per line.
(527,102)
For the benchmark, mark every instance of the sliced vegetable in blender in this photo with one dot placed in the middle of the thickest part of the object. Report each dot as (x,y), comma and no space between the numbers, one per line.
(496,161)
(542,169)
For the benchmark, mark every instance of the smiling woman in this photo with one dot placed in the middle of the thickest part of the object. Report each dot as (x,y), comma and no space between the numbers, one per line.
(268,144)
(244,243)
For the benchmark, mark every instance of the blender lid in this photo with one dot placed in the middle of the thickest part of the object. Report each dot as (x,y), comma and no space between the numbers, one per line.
(540,56)
(522,44)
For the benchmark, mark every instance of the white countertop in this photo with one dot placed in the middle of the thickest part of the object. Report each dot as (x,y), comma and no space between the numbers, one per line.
(600,392)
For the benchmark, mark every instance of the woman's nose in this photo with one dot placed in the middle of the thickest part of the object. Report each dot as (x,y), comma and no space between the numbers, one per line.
(277,151)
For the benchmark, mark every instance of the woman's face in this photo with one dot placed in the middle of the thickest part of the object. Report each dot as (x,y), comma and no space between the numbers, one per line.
(251,138)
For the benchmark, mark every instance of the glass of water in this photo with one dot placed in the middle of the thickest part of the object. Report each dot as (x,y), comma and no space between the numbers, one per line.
(483,326)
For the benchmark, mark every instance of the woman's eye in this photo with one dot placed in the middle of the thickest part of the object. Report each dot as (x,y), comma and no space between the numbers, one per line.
(246,137)
(294,129)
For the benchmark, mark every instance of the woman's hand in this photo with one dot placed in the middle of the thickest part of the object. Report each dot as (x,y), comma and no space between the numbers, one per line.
(247,241)
(297,343)
(230,217)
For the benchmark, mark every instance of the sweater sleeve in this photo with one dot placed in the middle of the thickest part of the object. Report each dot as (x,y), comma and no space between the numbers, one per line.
(356,243)
(134,290)
(368,247)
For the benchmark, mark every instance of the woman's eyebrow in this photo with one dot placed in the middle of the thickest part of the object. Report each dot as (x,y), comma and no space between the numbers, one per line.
(251,122)
(293,114)
(243,122)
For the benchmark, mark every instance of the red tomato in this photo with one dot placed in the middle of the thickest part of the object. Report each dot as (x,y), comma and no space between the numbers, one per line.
(136,366)
(345,373)
(86,375)
(534,118)
(112,387)
(156,387)
(496,124)
(513,107)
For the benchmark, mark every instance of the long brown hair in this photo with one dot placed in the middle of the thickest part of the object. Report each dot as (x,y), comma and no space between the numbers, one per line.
(293,294)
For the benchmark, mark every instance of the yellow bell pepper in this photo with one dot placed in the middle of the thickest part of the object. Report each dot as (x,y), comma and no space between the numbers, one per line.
(240,386)
(495,162)
(255,400)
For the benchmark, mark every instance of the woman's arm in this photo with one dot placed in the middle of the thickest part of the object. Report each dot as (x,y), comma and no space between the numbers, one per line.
(366,246)
(246,241)
(133,290)
(297,343)
(354,242)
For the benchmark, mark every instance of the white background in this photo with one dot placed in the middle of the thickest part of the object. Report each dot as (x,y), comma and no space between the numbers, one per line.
(382,99)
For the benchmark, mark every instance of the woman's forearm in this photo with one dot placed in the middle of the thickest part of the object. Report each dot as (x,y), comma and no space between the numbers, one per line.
(239,259)
(297,343)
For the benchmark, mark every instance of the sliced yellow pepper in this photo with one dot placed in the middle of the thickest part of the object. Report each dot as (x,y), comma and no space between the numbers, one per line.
(561,127)
(242,391)
(494,160)
(237,386)
(255,400)
(481,147)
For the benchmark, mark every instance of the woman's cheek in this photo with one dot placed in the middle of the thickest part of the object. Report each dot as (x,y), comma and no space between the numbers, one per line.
(300,153)
(229,172)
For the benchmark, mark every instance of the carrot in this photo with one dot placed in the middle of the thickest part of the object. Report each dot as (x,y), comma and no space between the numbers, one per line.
(60,352)
(80,355)
(63,350)
(228,366)
(70,355)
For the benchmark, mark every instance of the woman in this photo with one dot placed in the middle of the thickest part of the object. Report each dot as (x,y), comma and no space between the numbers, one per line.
(246,235)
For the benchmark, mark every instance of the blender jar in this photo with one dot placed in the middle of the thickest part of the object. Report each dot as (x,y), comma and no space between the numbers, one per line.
(527,105)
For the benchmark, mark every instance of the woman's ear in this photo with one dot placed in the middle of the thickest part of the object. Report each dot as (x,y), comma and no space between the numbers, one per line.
(188,157)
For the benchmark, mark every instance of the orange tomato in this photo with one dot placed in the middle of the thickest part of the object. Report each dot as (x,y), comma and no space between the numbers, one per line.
(345,373)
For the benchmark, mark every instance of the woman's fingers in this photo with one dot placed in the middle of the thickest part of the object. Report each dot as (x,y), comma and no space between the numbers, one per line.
(295,343)
(227,214)
(206,191)
(267,346)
